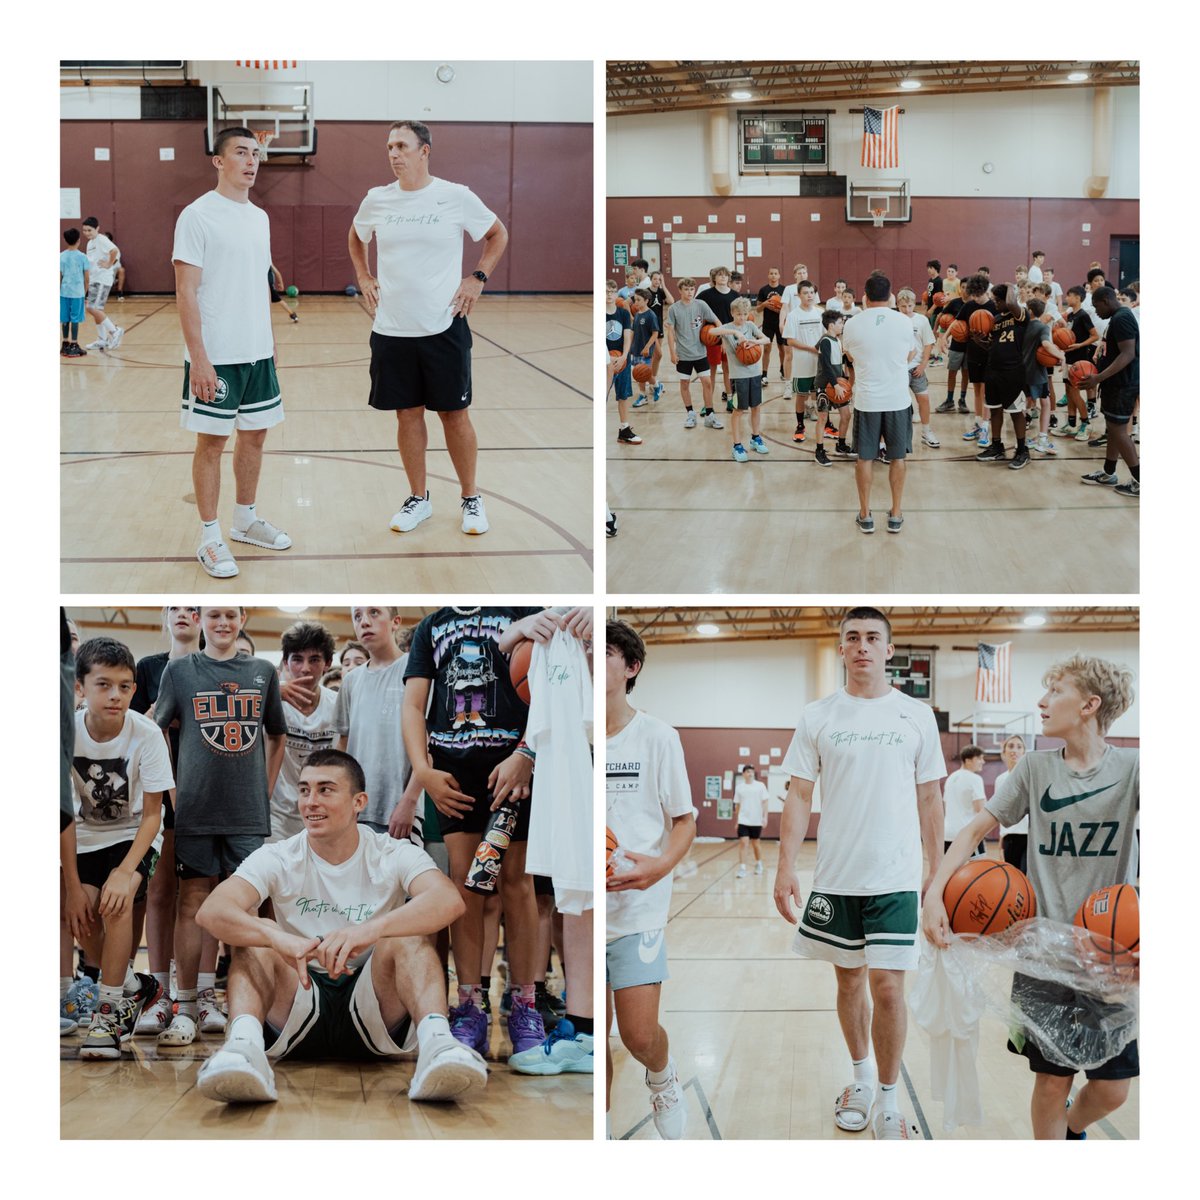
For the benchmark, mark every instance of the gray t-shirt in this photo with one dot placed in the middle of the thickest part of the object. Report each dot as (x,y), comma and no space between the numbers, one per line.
(1081,825)
(1035,335)
(368,713)
(737,368)
(224,707)
(686,320)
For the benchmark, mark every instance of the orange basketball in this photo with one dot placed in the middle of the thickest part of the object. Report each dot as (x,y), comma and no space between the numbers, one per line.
(614,354)
(775,302)
(939,298)
(1110,917)
(621,302)
(958,330)
(984,896)
(518,668)
(642,373)
(709,335)
(1045,357)
(1064,339)
(1078,372)
(982,322)
(610,846)
(748,352)
(837,393)
(945,320)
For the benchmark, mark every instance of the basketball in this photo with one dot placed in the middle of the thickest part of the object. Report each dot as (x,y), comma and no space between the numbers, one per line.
(1078,372)
(775,302)
(642,373)
(939,298)
(837,393)
(985,897)
(518,669)
(1064,339)
(610,846)
(621,302)
(982,322)
(291,290)
(709,335)
(945,320)
(1045,357)
(1110,916)
(351,290)
(614,354)
(748,352)
(958,330)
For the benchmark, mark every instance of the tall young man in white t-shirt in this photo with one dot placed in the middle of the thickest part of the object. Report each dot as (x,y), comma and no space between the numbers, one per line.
(346,969)
(420,340)
(222,255)
(878,756)
(750,813)
(649,809)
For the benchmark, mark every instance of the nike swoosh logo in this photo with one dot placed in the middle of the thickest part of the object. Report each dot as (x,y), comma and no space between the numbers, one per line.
(1050,804)
(648,950)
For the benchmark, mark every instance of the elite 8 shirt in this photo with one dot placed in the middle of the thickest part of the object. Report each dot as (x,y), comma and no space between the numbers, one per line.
(224,708)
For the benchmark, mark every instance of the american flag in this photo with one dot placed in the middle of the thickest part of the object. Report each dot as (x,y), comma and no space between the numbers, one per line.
(880,144)
(993,679)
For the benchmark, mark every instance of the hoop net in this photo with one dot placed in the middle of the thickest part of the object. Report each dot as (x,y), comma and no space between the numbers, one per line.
(264,137)
(877,215)
(266,64)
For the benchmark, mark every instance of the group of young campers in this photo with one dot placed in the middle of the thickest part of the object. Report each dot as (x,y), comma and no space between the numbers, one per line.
(882,863)
(1003,359)
(324,838)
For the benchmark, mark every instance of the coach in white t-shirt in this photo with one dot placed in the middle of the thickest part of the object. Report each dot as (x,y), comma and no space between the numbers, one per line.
(222,256)
(880,342)
(420,341)
(964,795)
(878,756)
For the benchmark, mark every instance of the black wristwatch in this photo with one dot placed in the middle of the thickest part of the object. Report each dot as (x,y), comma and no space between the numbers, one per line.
(480,276)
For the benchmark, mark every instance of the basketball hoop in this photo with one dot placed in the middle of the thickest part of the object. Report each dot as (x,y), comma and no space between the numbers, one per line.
(264,137)
(877,215)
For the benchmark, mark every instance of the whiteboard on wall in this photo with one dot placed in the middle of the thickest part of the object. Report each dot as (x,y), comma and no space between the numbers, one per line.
(696,254)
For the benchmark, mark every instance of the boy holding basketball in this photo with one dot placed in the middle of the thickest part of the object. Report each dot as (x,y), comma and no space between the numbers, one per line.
(644,346)
(769,315)
(1082,802)
(688,354)
(802,330)
(649,809)
(831,367)
(746,377)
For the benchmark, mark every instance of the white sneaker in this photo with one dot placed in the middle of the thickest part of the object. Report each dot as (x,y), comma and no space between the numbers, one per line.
(474,518)
(412,512)
(217,559)
(115,339)
(930,440)
(447,1069)
(712,421)
(98,344)
(741,871)
(180,1032)
(689,422)
(262,534)
(239,1071)
(666,1101)
(211,1018)
(758,868)
(1043,445)
(157,1017)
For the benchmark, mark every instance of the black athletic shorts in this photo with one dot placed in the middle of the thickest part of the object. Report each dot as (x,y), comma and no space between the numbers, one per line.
(976,369)
(543,885)
(472,778)
(431,372)
(750,831)
(1116,403)
(168,810)
(1005,391)
(94,866)
(1015,848)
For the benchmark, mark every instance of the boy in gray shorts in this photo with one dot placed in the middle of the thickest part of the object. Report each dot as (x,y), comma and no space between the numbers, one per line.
(746,378)
(688,355)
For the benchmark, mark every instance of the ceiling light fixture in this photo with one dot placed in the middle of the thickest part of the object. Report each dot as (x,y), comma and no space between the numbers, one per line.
(708,630)
(1034,620)
(910,85)
(1077,77)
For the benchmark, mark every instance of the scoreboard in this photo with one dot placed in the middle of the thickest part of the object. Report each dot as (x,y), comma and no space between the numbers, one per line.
(911,671)
(782,142)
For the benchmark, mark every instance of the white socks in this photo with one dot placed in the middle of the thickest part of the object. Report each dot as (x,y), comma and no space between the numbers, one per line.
(864,1070)
(187,1001)
(246,1029)
(205,982)
(210,531)
(887,1099)
(435,1025)
(658,1078)
(244,516)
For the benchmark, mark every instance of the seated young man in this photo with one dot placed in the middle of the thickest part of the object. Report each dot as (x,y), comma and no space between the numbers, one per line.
(347,969)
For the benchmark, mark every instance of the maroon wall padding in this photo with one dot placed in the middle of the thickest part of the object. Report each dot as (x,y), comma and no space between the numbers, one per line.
(715,751)
(536,178)
(971,231)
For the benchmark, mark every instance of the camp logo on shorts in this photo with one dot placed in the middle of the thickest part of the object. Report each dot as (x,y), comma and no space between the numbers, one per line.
(820,911)
(222,389)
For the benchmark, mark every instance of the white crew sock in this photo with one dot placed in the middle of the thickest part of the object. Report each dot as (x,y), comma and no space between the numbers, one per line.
(64,986)
(435,1025)
(210,531)
(110,996)
(246,1029)
(888,1099)
(658,1078)
(864,1070)
(206,981)
(131,984)
(244,516)
(187,1001)
(107,327)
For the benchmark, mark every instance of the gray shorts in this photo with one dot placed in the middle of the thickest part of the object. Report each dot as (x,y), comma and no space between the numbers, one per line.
(918,384)
(98,294)
(636,960)
(955,361)
(748,392)
(894,427)
(205,856)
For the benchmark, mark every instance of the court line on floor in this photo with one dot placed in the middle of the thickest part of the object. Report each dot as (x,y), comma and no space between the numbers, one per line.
(110,454)
(705,1107)
(534,366)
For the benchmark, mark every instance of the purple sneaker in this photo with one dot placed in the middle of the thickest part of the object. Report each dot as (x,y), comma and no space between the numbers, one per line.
(525,1027)
(470,1026)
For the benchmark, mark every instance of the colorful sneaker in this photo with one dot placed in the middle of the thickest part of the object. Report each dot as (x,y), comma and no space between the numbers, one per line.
(658,391)
(739,453)
(237,1073)
(822,458)
(1082,434)
(712,421)
(627,437)
(563,1051)
(132,1007)
(1043,445)
(1099,479)
(798,436)
(830,430)
(1132,489)
(1065,430)
(470,1026)
(157,1016)
(80,1001)
(666,1102)
(411,513)
(640,400)
(972,434)
(758,445)
(446,1070)
(103,1038)
(474,518)
(210,1017)
(525,1028)
(262,534)
(689,421)
(66,1025)
(985,437)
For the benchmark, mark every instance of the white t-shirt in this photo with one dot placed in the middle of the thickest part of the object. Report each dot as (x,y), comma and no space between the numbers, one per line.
(868,756)
(111,777)
(1035,274)
(879,343)
(231,244)
(314,898)
(922,336)
(960,792)
(806,328)
(1022,826)
(751,799)
(647,786)
(791,299)
(420,251)
(97,249)
(316,731)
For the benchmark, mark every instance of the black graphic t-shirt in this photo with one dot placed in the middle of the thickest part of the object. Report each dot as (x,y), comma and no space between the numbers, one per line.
(225,707)
(475,707)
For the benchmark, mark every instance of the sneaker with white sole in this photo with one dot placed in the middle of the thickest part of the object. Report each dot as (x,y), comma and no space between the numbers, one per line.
(157,1017)
(667,1104)
(565,1051)
(627,437)
(739,453)
(1043,444)
(98,344)
(758,445)
(1099,479)
(741,871)
(217,559)
(930,440)
(114,339)
(209,1015)
(103,1038)
(1132,490)
(474,518)
(446,1070)
(758,868)
(412,512)
(238,1073)
(689,421)
(262,534)
(712,421)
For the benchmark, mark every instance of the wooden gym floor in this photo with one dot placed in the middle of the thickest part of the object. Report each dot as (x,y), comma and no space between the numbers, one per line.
(690,519)
(152,1093)
(755,1035)
(332,475)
